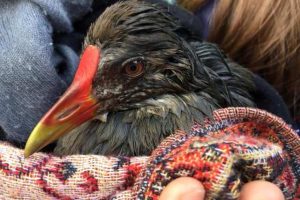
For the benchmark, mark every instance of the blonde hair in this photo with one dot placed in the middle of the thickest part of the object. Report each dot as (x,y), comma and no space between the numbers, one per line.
(263,35)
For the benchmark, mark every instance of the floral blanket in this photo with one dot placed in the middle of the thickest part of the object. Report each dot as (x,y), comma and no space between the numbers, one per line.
(236,146)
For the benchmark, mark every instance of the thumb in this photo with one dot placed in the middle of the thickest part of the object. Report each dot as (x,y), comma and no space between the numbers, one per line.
(184,188)
(261,190)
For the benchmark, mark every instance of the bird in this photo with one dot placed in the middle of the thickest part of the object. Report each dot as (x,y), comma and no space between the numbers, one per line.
(142,75)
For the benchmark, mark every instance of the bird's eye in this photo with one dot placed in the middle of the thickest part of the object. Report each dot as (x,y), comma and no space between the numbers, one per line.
(134,68)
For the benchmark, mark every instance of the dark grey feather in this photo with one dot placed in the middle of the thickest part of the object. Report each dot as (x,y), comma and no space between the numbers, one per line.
(185,80)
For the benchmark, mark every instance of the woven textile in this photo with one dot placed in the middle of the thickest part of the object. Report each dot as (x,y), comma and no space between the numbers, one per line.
(237,146)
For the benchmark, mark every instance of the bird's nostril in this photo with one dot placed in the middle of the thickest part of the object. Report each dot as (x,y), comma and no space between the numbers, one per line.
(65,114)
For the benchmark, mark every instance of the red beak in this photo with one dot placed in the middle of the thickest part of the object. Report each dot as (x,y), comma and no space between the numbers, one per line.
(75,107)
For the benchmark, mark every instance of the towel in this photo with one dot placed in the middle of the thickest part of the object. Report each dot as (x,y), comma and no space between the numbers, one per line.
(237,146)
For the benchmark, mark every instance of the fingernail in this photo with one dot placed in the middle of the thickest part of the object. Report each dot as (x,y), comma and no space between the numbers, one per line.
(261,190)
(184,188)
(196,194)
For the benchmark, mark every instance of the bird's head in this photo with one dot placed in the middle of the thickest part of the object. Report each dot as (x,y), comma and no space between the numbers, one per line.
(133,52)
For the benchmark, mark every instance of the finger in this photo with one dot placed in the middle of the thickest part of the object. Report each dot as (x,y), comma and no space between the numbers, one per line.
(184,188)
(261,190)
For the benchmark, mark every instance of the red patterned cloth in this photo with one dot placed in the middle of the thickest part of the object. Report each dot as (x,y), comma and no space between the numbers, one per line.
(237,146)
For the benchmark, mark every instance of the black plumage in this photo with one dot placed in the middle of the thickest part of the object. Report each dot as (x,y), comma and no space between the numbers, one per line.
(154,77)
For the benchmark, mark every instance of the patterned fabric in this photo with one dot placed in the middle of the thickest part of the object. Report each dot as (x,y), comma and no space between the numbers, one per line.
(236,146)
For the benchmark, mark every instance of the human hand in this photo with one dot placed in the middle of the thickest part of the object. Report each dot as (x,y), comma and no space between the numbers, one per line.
(186,188)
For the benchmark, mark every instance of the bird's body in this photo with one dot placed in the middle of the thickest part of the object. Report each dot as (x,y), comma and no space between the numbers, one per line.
(139,130)
(153,78)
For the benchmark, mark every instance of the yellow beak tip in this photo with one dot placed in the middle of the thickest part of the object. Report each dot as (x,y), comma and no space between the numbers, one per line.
(35,141)
(43,135)
(27,153)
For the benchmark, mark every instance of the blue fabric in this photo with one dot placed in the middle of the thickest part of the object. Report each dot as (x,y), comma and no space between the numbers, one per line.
(34,70)
(204,13)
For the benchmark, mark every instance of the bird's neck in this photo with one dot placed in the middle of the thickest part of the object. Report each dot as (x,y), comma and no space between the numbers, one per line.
(137,131)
